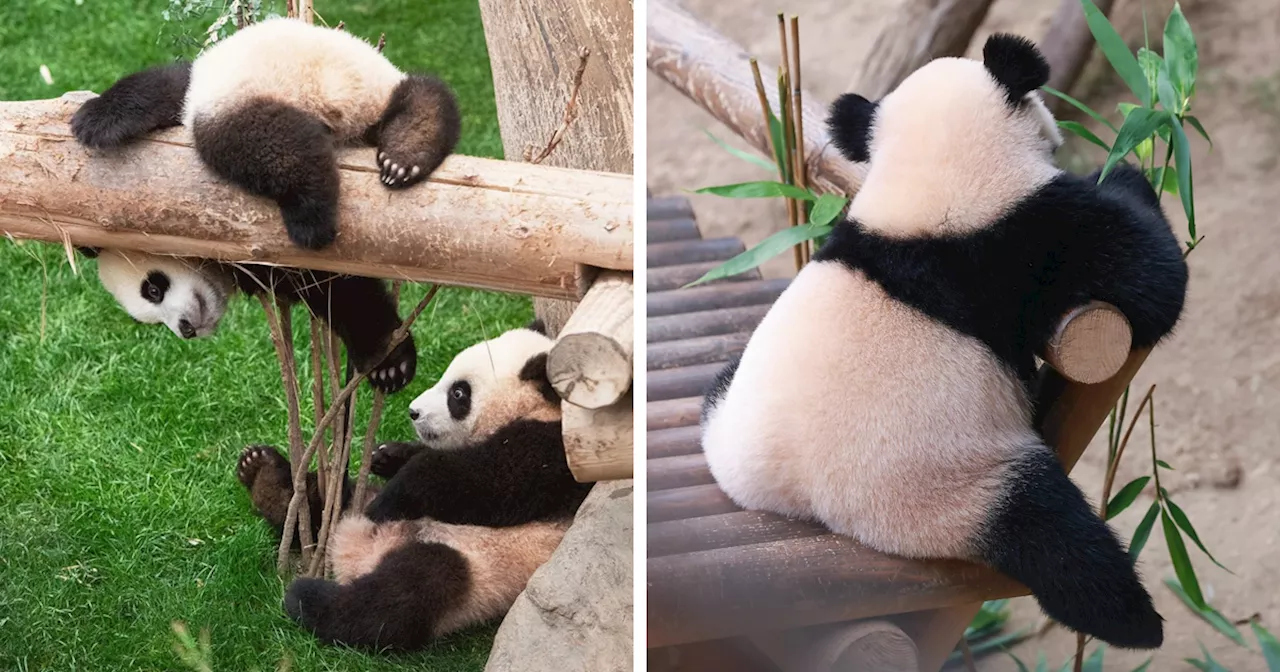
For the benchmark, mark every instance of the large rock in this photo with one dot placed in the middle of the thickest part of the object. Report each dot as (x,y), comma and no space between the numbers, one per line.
(576,613)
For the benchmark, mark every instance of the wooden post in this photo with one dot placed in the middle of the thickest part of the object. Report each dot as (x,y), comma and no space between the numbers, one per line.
(534,50)
(1067,45)
(599,443)
(918,32)
(591,363)
(491,224)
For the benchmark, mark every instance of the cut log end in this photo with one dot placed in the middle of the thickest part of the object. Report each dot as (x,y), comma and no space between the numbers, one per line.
(589,369)
(1091,344)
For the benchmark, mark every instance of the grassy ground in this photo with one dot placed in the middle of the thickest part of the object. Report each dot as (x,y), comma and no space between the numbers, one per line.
(118,441)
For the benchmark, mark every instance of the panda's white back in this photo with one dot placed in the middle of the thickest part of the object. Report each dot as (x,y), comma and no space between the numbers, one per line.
(332,74)
(851,408)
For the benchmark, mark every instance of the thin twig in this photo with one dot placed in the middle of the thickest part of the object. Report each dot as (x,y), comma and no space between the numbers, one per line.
(295,503)
(382,42)
(341,25)
(969,663)
(317,379)
(277,322)
(371,428)
(570,112)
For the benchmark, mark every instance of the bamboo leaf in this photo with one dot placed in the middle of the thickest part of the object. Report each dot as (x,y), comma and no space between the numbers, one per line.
(1094,662)
(1140,125)
(827,209)
(1181,561)
(1164,89)
(1208,614)
(1167,177)
(1117,52)
(762,189)
(1022,667)
(745,156)
(1195,123)
(1180,52)
(1182,158)
(1079,129)
(770,247)
(1184,524)
(1162,463)
(1270,647)
(1206,665)
(1125,497)
(1143,667)
(1142,532)
(785,131)
(1081,106)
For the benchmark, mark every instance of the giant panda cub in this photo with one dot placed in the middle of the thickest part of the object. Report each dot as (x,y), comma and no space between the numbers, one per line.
(269,105)
(190,296)
(465,517)
(887,392)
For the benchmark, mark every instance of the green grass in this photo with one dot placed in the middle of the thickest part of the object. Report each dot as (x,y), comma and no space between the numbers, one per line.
(118,441)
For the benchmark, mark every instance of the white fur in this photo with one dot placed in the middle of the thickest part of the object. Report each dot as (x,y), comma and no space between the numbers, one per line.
(332,74)
(498,397)
(122,273)
(941,139)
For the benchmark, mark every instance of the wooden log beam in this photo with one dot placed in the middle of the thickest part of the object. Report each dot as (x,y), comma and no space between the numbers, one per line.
(599,443)
(1067,45)
(477,222)
(918,31)
(714,72)
(534,52)
(590,364)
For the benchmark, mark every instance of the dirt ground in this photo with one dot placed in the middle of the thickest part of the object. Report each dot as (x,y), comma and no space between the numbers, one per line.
(1218,378)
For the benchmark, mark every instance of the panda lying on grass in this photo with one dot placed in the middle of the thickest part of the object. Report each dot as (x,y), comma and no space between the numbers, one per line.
(465,517)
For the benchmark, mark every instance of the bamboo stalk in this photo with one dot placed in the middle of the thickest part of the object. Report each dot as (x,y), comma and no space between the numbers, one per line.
(800,169)
(317,379)
(794,207)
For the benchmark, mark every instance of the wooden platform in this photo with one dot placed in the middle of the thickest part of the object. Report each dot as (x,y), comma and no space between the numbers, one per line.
(714,570)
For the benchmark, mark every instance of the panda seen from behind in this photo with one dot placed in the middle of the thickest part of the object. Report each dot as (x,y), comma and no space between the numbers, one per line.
(464,519)
(914,330)
(268,108)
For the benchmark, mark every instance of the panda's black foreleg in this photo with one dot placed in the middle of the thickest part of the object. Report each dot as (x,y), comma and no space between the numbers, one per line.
(388,458)
(134,106)
(418,129)
(279,152)
(397,606)
(363,314)
(1044,534)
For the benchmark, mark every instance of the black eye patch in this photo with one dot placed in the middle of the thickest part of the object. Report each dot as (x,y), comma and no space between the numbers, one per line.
(459,401)
(154,286)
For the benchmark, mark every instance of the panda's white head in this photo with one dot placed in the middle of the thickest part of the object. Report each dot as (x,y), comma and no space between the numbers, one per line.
(486,387)
(187,295)
(955,146)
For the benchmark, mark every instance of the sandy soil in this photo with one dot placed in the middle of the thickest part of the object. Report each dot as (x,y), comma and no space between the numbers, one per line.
(1218,378)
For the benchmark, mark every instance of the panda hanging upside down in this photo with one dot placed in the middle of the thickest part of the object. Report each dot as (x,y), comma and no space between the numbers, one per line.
(464,519)
(886,393)
(269,105)
(190,296)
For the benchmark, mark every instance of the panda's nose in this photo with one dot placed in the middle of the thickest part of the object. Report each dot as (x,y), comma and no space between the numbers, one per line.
(413,415)
(185,328)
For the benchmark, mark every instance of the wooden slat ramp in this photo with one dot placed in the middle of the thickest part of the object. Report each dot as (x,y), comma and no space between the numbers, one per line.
(716,571)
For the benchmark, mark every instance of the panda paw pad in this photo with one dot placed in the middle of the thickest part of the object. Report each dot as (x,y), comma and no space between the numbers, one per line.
(253,460)
(397,370)
(398,173)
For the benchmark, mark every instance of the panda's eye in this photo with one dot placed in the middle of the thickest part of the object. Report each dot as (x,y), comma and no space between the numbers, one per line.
(154,286)
(457,393)
(459,399)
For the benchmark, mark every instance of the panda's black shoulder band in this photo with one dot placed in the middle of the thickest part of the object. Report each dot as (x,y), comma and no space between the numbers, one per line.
(1016,63)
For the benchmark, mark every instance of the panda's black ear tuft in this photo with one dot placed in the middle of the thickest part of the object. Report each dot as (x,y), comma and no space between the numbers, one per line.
(1016,64)
(849,123)
(90,252)
(535,370)
(538,325)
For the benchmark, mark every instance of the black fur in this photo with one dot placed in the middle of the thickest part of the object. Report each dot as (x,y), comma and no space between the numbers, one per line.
(419,128)
(279,152)
(397,606)
(1045,534)
(538,325)
(1016,64)
(268,477)
(1070,243)
(720,385)
(360,310)
(134,106)
(389,458)
(849,123)
(516,476)
(535,371)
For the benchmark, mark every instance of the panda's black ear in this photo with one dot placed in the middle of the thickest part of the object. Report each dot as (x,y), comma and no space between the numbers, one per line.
(537,325)
(91,252)
(1016,64)
(535,371)
(849,123)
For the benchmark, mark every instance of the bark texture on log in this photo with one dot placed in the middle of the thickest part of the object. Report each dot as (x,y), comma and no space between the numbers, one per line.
(478,222)
(1067,46)
(715,73)
(918,32)
(533,52)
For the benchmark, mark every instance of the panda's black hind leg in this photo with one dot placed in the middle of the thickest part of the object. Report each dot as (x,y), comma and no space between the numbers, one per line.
(134,106)
(268,477)
(397,606)
(418,129)
(280,152)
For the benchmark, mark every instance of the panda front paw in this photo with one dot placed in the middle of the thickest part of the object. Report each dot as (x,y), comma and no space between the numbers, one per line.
(256,458)
(397,370)
(388,458)
(399,171)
